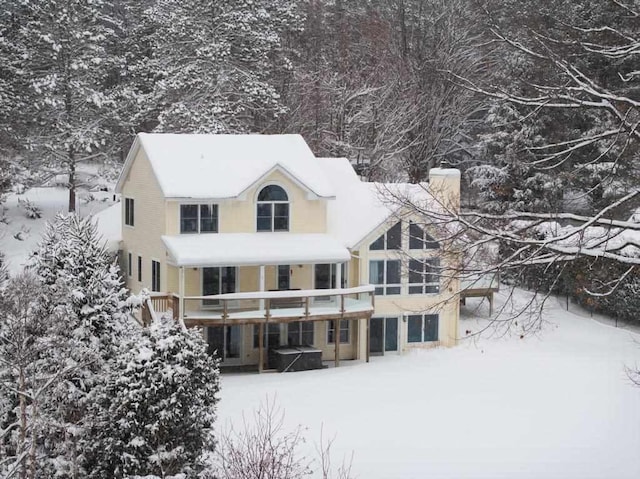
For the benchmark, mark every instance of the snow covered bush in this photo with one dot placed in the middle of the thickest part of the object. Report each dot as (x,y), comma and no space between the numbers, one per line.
(155,412)
(31,210)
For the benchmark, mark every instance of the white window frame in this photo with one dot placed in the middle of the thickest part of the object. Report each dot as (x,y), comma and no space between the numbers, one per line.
(129,212)
(199,219)
(385,239)
(273,203)
(422,328)
(237,285)
(154,276)
(430,266)
(301,332)
(384,286)
(426,244)
(331,328)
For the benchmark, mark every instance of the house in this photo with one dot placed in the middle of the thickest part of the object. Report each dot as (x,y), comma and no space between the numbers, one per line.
(260,243)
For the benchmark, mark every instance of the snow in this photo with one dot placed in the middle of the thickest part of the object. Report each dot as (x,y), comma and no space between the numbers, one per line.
(240,249)
(452,172)
(554,405)
(19,235)
(224,166)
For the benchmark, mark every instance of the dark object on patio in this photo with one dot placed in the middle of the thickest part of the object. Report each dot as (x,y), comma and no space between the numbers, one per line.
(295,358)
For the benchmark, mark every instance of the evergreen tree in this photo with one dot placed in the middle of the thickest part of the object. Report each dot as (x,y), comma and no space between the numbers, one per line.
(155,411)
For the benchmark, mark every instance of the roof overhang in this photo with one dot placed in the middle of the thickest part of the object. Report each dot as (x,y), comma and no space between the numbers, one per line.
(251,249)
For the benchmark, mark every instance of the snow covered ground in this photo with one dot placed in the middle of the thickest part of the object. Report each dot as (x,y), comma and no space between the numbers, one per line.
(554,405)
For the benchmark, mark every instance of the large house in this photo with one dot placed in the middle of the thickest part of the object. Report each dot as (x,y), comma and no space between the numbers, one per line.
(260,243)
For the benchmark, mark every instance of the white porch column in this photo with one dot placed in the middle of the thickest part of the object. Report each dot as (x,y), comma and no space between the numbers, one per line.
(261,283)
(181,293)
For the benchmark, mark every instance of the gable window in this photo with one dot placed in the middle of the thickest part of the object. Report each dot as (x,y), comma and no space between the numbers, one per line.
(139,268)
(344,331)
(390,239)
(155,276)
(199,218)
(218,281)
(385,275)
(420,239)
(422,328)
(424,276)
(300,333)
(272,209)
(128,211)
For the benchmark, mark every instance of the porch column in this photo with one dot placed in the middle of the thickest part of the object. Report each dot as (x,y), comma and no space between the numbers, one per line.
(261,284)
(181,294)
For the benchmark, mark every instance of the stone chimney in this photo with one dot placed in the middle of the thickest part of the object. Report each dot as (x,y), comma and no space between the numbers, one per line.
(444,185)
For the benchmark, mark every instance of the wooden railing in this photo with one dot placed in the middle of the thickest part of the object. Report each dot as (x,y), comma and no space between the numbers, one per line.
(160,303)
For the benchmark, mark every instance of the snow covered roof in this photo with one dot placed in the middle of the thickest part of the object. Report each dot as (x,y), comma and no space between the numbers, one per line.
(224,166)
(244,249)
(109,225)
(361,207)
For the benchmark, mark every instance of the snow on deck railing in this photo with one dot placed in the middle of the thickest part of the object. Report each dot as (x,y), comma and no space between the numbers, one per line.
(294,293)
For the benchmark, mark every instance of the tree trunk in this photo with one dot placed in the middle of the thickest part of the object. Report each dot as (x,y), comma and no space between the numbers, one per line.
(22,438)
(72,181)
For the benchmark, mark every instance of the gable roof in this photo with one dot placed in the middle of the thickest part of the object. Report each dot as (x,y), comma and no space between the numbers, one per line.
(360,207)
(224,166)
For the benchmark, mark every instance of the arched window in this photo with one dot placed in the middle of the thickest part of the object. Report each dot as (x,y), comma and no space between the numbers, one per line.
(272,211)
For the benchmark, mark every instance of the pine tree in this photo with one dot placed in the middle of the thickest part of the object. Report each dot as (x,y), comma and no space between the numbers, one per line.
(55,76)
(155,412)
(79,275)
(213,63)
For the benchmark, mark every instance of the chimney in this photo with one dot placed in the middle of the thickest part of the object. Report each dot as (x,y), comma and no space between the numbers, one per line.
(444,185)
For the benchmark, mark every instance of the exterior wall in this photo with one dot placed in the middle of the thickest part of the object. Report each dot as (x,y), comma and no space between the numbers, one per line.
(239,216)
(446,303)
(143,238)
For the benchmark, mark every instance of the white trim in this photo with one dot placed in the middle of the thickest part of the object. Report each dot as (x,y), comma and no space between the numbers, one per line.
(311,195)
(128,162)
(198,204)
(272,203)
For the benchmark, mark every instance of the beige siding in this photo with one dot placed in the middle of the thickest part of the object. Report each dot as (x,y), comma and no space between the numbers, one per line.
(144,238)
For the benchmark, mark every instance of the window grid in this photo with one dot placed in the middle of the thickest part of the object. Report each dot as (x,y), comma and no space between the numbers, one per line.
(198,218)
(344,331)
(422,328)
(389,240)
(272,209)
(424,276)
(129,211)
(385,275)
(420,239)
(300,333)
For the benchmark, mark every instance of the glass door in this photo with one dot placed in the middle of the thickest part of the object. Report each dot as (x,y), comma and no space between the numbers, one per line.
(383,335)
(225,342)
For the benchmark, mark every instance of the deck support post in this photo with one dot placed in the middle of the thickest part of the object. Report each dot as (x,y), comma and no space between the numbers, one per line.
(181,294)
(260,347)
(368,340)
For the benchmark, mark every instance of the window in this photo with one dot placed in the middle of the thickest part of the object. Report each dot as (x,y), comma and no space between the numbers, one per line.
(424,276)
(420,239)
(272,210)
(217,281)
(344,331)
(391,239)
(300,333)
(271,337)
(385,275)
(140,268)
(422,328)
(198,218)
(128,211)
(325,276)
(284,277)
(129,264)
(155,276)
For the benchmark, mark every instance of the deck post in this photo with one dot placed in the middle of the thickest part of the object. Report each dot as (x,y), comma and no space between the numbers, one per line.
(260,347)
(368,338)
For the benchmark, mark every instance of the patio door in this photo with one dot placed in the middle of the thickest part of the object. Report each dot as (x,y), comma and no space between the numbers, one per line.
(226,343)
(383,335)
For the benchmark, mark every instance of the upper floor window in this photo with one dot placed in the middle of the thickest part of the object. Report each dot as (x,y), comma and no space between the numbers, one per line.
(199,218)
(385,275)
(128,211)
(391,239)
(420,239)
(424,276)
(272,211)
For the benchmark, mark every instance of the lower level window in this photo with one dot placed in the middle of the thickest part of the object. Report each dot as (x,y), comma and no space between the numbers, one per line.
(423,328)
(155,276)
(300,333)
(344,331)
(271,338)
